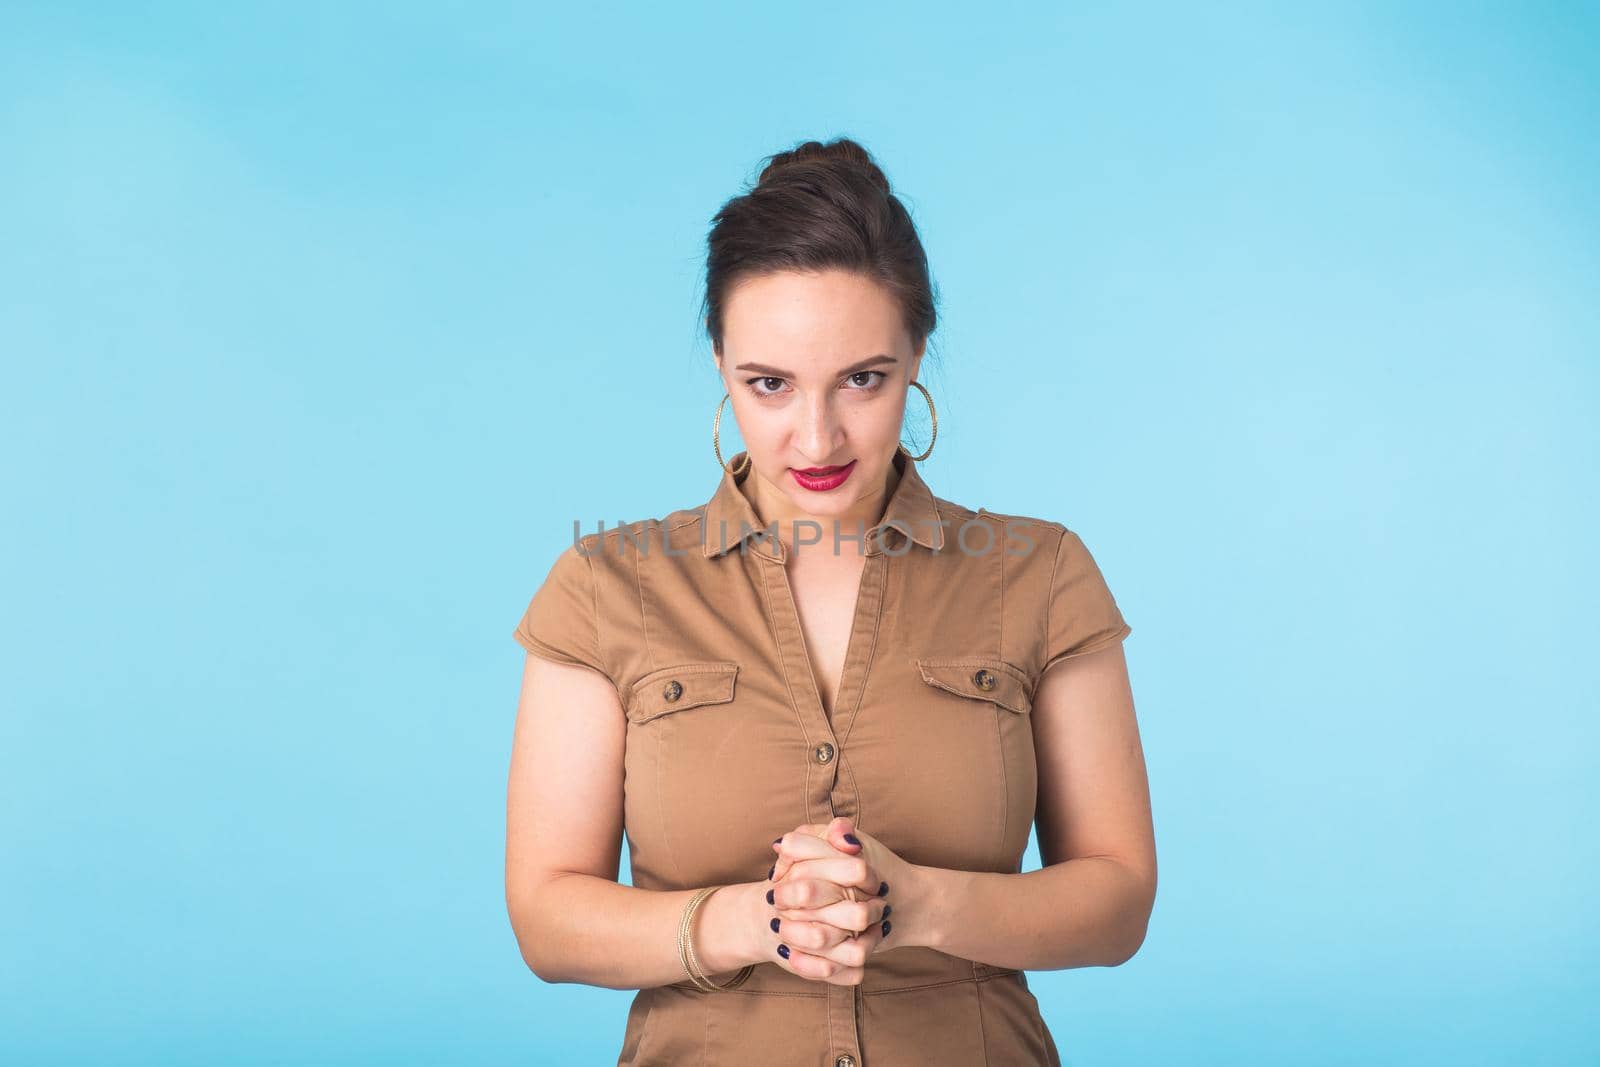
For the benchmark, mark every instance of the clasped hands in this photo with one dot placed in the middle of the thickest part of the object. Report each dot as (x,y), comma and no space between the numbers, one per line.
(829,896)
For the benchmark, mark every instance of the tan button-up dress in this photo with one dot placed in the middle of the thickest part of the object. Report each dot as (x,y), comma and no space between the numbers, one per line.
(929,748)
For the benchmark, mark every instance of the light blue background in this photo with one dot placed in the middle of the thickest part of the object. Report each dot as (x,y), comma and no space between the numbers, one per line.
(322,325)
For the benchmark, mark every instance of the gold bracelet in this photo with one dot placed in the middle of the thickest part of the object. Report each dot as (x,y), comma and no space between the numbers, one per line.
(686,955)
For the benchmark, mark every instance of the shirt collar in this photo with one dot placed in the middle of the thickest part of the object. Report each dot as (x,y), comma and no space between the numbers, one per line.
(729,519)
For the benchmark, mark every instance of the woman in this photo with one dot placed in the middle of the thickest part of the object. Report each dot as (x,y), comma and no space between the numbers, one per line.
(886,686)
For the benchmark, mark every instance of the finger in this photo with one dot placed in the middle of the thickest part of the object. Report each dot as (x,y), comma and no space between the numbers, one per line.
(813,937)
(800,948)
(842,949)
(842,835)
(800,844)
(851,872)
(814,829)
(797,894)
(780,866)
(818,968)
(853,916)
(811,893)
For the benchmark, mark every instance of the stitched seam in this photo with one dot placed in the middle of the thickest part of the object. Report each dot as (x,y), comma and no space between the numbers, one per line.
(1038,1024)
(1002,595)
(691,988)
(861,693)
(1005,785)
(827,1008)
(647,704)
(934,985)
(644,623)
(783,667)
(1000,755)
(975,661)
(644,1027)
(701,667)
(983,1037)
(1094,646)
(744,992)
(990,697)
(861,690)
(788,684)
(599,643)
(872,653)
(1055,565)
(661,814)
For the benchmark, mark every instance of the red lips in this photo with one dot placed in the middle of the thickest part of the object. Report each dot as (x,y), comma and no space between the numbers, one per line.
(822,479)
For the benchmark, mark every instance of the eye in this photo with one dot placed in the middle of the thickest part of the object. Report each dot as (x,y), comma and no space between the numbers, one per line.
(756,388)
(870,383)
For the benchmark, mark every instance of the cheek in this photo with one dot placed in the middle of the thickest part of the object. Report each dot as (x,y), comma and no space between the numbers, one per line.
(875,423)
(749,420)
(765,430)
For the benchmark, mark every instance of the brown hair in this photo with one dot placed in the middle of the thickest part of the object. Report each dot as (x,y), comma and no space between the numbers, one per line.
(815,207)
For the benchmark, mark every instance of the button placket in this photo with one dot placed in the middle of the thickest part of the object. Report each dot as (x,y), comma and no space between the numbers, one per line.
(828,790)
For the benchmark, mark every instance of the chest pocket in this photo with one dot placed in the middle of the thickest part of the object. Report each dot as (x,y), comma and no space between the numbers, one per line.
(681,687)
(980,678)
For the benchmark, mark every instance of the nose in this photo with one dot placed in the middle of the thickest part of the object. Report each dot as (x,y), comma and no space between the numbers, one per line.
(817,436)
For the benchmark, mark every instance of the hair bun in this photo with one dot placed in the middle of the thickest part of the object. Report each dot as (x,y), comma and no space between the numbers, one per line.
(841,151)
(819,207)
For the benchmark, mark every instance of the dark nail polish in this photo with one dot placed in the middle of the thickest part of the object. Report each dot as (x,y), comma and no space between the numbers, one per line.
(887,908)
(783,950)
(774,925)
(770,870)
(883,890)
(852,839)
(886,925)
(769,897)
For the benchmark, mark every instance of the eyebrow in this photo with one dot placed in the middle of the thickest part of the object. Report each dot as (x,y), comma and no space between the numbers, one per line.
(776,372)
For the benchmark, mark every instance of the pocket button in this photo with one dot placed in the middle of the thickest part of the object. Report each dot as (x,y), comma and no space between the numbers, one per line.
(983,680)
(672,690)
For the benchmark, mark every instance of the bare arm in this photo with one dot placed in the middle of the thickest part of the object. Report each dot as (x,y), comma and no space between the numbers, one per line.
(573,921)
(1090,904)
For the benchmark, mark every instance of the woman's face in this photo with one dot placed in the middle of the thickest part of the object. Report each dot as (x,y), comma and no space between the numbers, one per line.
(817,367)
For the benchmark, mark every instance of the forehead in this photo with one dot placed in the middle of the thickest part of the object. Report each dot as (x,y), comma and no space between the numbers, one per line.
(805,317)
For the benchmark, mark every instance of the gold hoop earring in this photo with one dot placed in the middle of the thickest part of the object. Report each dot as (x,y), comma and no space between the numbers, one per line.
(934,416)
(716,444)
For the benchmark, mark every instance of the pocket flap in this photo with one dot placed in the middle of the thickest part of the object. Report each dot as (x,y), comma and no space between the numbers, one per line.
(980,678)
(680,687)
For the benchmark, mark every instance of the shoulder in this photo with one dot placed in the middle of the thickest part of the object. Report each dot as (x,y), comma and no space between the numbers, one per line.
(619,549)
(1019,536)
(676,527)
(1038,552)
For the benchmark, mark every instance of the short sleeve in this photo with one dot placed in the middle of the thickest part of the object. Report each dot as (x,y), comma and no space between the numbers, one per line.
(561,621)
(1083,615)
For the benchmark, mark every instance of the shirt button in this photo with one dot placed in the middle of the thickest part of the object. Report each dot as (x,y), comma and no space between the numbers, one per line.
(983,680)
(672,690)
(846,1060)
(824,752)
